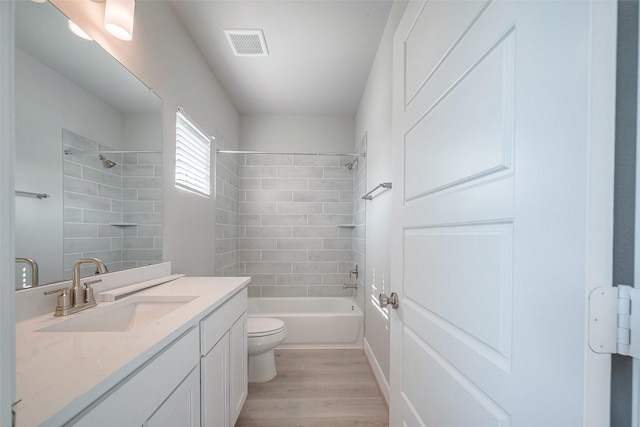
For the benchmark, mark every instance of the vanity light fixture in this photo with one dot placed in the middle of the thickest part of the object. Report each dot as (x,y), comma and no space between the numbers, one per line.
(75,29)
(118,18)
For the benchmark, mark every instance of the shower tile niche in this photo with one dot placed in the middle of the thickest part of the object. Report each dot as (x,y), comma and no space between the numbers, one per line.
(111,211)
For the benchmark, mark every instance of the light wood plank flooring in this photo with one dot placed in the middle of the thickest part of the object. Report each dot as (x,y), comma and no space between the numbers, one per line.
(316,388)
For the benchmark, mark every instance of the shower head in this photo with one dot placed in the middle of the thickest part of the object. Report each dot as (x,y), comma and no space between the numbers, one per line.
(106,162)
(351,164)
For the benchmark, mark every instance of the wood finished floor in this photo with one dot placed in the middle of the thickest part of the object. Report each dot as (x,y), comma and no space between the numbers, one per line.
(316,388)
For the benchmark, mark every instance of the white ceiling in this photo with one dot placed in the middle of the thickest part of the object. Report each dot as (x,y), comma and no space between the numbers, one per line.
(320,51)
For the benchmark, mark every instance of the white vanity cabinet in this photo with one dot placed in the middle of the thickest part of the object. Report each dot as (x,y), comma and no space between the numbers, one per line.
(179,364)
(200,379)
(153,389)
(214,371)
(239,369)
(224,363)
(182,408)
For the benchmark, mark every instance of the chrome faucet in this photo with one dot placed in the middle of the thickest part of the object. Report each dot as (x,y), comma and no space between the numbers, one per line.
(34,269)
(77,291)
(78,298)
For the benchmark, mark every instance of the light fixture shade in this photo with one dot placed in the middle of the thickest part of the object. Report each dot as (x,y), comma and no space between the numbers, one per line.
(78,31)
(118,18)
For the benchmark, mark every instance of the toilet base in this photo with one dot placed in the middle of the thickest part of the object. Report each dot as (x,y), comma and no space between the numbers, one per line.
(262,367)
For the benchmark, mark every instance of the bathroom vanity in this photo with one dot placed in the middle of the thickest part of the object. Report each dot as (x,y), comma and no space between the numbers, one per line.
(178,359)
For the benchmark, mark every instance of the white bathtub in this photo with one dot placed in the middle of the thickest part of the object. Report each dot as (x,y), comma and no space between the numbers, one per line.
(314,322)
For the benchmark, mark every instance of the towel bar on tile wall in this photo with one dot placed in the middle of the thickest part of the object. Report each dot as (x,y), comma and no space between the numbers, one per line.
(32,194)
(381,185)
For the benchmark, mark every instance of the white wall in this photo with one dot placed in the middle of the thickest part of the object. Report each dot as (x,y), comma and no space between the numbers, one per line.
(163,56)
(374,118)
(142,131)
(293,133)
(46,103)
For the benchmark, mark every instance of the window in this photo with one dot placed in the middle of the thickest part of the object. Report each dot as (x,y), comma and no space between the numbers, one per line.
(193,156)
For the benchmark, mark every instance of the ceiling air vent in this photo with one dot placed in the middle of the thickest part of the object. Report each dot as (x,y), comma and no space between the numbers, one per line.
(247,42)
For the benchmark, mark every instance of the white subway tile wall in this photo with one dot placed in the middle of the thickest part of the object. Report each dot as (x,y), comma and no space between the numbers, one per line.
(295,224)
(227,218)
(142,205)
(95,197)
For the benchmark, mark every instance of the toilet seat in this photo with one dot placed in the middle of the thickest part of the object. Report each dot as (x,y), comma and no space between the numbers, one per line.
(263,326)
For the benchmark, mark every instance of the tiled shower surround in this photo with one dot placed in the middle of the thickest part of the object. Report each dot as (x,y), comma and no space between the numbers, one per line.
(227,229)
(100,203)
(359,219)
(296,224)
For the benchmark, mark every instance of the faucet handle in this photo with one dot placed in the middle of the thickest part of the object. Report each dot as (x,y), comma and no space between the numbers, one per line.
(64,300)
(88,291)
(354,272)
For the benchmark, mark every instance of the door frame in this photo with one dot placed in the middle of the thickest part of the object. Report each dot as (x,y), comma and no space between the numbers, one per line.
(635,381)
(7,188)
(602,93)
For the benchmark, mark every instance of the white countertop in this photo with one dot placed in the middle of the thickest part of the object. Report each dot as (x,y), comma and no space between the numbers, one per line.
(60,373)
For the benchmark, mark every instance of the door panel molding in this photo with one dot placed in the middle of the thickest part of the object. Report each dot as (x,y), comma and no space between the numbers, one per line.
(466,280)
(455,21)
(455,394)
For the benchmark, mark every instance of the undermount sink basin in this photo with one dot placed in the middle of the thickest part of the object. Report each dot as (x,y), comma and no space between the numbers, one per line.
(131,314)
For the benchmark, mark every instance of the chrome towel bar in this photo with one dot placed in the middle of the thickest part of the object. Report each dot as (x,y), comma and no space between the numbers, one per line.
(32,194)
(291,153)
(381,185)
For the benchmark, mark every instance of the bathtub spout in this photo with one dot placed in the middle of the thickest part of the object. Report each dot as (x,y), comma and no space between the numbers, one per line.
(348,286)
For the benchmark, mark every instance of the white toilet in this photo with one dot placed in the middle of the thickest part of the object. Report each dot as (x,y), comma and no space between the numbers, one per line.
(264,334)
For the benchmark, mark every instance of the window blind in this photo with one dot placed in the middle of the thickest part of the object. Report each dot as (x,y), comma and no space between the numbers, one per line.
(193,156)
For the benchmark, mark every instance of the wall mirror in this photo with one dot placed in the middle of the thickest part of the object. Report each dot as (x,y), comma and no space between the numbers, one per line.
(88,154)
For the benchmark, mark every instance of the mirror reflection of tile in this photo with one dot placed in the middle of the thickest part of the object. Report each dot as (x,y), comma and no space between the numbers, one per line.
(111,211)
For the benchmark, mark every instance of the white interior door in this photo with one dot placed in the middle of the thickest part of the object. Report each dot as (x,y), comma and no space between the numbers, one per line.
(503,196)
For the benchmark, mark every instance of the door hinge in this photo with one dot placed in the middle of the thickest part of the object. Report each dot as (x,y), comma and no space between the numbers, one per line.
(614,325)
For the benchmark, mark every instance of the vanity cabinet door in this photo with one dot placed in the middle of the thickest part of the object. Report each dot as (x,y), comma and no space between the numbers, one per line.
(214,369)
(238,370)
(140,395)
(182,408)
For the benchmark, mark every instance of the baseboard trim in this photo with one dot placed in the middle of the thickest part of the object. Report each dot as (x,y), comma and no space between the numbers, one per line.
(381,381)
